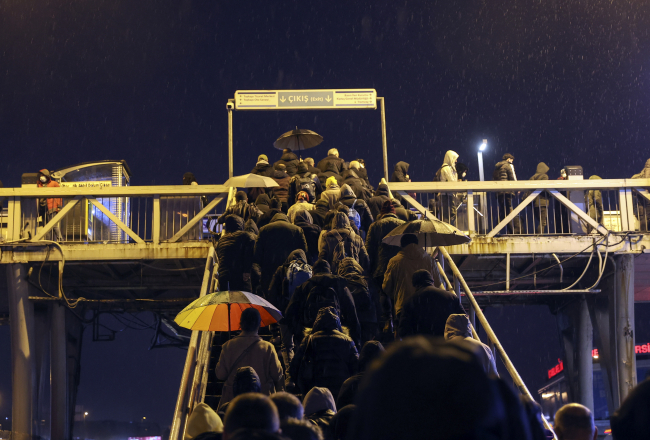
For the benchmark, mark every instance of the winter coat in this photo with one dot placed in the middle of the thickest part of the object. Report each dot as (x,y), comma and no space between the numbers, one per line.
(281,191)
(274,244)
(337,162)
(340,231)
(371,350)
(540,174)
(398,285)
(251,227)
(303,172)
(400,172)
(261,169)
(304,221)
(645,172)
(504,171)
(357,185)
(290,160)
(242,209)
(363,175)
(261,357)
(426,312)
(265,219)
(263,203)
(53,204)
(279,294)
(348,198)
(402,213)
(359,287)
(333,355)
(377,201)
(322,409)
(294,312)
(320,212)
(448,171)
(457,329)
(594,201)
(332,194)
(299,207)
(331,172)
(379,252)
(235,252)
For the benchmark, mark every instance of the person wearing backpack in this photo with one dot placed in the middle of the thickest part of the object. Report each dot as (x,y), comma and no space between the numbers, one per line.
(323,289)
(294,272)
(304,181)
(242,209)
(235,254)
(358,208)
(341,242)
(364,301)
(326,357)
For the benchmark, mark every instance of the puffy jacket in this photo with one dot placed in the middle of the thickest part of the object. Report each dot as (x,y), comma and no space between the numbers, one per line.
(594,200)
(341,231)
(235,252)
(274,244)
(333,354)
(379,252)
(376,202)
(348,198)
(53,204)
(290,160)
(359,286)
(242,209)
(318,215)
(304,221)
(457,329)
(645,172)
(337,162)
(398,285)
(357,185)
(282,190)
(402,213)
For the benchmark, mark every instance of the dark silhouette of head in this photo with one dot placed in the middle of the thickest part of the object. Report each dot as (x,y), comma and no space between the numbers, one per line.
(408,239)
(246,381)
(251,411)
(296,429)
(288,405)
(250,320)
(575,422)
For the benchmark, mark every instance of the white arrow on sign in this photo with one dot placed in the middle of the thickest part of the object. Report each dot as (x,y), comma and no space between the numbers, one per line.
(282,99)
(328,99)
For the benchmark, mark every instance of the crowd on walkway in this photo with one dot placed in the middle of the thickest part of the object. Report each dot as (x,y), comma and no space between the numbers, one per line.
(313,247)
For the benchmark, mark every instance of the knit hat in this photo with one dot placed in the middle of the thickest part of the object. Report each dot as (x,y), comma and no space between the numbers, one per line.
(331,181)
(240,195)
(203,419)
(262,157)
(387,208)
(302,195)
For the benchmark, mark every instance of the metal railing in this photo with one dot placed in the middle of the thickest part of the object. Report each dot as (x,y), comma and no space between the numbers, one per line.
(549,207)
(147,214)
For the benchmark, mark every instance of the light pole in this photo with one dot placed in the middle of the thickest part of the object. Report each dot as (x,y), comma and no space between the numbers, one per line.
(481,148)
(85,433)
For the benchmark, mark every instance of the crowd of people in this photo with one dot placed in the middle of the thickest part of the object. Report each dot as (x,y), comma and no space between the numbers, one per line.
(313,247)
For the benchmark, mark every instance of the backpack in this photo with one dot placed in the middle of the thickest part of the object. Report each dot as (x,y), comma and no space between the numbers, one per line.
(296,274)
(436,178)
(353,215)
(344,248)
(319,297)
(361,298)
(307,185)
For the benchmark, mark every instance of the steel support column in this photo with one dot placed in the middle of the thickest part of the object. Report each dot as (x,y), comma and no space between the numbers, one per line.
(625,324)
(59,374)
(21,314)
(584,361)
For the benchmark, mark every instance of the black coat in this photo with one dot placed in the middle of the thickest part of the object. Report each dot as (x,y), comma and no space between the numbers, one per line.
(426,312)
(304,221)
(377,201)
(402,213)
(261,169)
(339,164)
(333,354)
(348,198)
(290,160)
(263,202)
(400,172)
(274,244)
(379,252)
(235,253)
(265,219)
(281,191)
(318,215)
(358,185)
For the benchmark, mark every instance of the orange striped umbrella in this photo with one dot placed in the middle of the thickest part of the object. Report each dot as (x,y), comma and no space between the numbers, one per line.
(221,311)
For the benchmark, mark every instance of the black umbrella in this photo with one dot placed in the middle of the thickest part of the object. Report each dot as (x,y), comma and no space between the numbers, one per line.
(298,140)
(430,232)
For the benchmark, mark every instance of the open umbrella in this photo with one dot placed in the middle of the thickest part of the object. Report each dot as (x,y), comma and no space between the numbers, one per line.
(298,140)
(430,232)
(251,181)
(221,311)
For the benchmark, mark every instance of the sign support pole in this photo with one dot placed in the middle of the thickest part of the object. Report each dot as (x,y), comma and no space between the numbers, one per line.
(383,135)
(230,106)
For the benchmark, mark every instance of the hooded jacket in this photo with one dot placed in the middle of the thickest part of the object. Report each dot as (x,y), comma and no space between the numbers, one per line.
(263,203)
(274,244)
(290,160)
(341,230)
(337,162)
(370,351)
(332,193)
(53,204)
(645,172)
(357,185)
(242,209)
(303,172)
(402,213)
(375,203)
(275,207)
(251,227)
(379,252)
(504,171)
(359,286)
(398,280)
(320,212)
(348,198)
(448,171)
(426,312)
(540,174)
(322,409)
(203,419)
(400,172)
(279,294)
(304,221)
(262,168)
(235,254)
(282,190)
(594,201)
(457,329)
(333,354)
(297,207)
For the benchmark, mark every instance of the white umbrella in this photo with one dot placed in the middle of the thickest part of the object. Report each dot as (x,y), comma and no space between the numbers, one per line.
(251,181)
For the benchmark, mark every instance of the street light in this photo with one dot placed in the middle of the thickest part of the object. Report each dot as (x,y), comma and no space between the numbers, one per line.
(85,432)
(481,148)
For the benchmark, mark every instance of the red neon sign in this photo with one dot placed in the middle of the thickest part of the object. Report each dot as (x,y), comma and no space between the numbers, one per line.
(638,349)
(556,369)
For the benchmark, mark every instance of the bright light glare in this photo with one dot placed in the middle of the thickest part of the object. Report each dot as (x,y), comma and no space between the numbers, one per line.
(483,146)
(85,414)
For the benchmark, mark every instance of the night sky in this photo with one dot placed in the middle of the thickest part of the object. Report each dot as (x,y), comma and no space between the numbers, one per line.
(147,81)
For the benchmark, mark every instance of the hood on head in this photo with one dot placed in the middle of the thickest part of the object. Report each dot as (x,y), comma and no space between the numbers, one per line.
(251,226)
(542,168)
(302,168)
(422,278)
(321,266)
(370,351)
(263,199)
(246,381)
(289,156)
(303,216)
(318,399)
(594,177)
(203,419)
(327,319)
(331,182)
(348,267)
(450,158)
(402,167)
(297,255)
(188,178)
(280,217)
(346,191)
(457,325)
(382,190)
(240,195)
(278,174)
(340,221)
(234,223)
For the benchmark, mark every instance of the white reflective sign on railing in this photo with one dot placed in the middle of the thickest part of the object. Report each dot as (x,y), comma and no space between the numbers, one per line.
(88,184)
(305,99)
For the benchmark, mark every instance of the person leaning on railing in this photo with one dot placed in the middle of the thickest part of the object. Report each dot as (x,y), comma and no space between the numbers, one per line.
(49,207)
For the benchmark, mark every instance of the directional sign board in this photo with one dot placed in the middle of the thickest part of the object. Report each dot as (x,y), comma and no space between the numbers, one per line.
(305,99)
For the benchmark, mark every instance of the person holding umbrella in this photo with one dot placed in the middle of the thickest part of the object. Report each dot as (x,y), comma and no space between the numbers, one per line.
(289,160)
